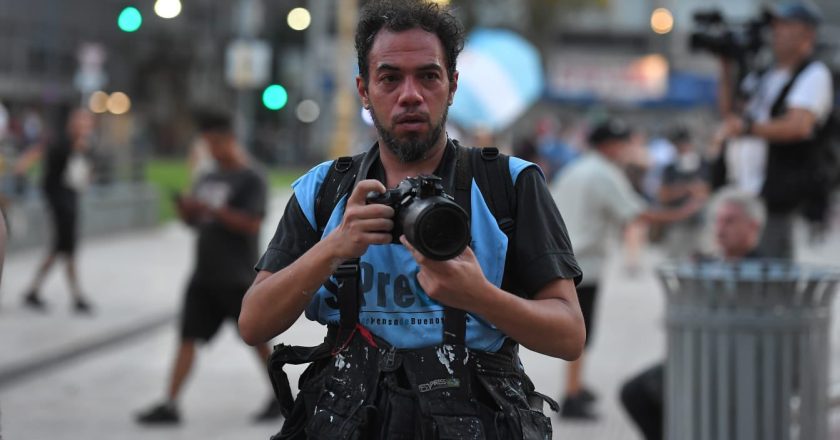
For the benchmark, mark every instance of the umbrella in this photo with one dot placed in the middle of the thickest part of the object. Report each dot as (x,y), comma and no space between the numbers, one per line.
(500,77)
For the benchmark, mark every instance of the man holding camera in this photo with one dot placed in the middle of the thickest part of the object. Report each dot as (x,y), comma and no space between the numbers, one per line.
(773,147)
(417,347)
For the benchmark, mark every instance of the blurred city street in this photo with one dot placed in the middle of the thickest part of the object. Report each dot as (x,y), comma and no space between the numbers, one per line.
(76,377)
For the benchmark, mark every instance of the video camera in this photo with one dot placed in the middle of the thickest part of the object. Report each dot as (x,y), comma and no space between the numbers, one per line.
(733,40)
(431,221)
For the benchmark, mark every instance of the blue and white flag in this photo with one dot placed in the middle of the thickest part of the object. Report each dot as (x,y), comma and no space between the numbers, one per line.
(501,75)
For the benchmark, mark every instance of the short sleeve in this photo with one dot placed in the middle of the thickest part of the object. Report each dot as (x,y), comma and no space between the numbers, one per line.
(542,251)
(812,91)
(293,237)
(619,198)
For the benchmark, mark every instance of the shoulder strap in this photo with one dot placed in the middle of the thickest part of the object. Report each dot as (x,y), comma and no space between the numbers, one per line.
(491,171)
(779,104)
(339,181)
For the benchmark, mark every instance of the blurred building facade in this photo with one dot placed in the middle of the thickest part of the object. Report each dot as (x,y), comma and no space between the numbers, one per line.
(597,53)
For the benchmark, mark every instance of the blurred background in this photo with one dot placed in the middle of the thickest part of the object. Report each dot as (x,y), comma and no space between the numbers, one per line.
(535,76)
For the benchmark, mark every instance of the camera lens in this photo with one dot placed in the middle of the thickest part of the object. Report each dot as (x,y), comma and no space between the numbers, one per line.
(441,231)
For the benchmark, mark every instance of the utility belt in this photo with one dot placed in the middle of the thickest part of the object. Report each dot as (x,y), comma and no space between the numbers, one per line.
(358,386)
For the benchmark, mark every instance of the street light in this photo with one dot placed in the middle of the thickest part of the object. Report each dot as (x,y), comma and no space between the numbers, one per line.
(299,19)
(130,19)
(168,8)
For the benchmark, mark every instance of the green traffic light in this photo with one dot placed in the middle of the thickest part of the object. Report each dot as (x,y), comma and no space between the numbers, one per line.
(129,19)
(275,97)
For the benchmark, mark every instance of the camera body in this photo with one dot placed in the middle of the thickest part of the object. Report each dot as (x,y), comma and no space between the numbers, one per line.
(430,219)
(736,41)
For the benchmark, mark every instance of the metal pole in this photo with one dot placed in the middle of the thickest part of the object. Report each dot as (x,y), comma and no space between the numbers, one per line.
(345,102)
(248,23)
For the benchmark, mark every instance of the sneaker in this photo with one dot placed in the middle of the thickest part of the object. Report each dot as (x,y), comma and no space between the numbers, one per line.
(270,412)
(34,302)
(587,395)
(575,407)
(82,307)
(162,414)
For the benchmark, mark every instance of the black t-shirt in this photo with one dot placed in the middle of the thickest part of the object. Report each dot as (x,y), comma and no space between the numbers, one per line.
(56,158)
(540,245)
(225,256)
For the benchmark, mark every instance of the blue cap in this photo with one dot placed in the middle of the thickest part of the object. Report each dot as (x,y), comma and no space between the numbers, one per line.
(804,12)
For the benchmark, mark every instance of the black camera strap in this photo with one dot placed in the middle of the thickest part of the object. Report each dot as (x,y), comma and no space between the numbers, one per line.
(348,276)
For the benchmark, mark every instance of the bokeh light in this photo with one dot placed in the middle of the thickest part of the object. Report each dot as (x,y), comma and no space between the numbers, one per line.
(168,8)
(118,103)
(275,97)
(98,102)
(308,111)
(299,19)
(130,19)
(661,21)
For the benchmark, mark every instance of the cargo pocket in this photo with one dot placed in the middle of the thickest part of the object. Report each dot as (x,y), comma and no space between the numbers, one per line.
(458,428)
(535,425)
(337,412)
(399,412)
(513,417)
(343,407)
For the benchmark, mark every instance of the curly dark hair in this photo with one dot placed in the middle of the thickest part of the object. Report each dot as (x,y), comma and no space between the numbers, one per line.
(403,15)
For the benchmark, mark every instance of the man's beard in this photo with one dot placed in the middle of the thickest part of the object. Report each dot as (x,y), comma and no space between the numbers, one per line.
(413,147)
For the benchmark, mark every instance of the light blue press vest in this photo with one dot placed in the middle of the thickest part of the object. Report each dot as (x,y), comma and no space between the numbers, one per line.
(393,305)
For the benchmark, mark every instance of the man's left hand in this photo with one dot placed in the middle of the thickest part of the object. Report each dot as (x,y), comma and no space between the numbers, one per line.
(458,282)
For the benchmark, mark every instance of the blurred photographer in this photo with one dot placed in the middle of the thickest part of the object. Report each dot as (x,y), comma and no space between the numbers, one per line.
(772,124)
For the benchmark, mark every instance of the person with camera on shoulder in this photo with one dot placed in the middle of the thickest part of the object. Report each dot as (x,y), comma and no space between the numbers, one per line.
(772,124)
(420,343)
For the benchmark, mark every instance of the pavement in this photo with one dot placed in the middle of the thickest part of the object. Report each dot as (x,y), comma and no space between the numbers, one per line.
(64,376)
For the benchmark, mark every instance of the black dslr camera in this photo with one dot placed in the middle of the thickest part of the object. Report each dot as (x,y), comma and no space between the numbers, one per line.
(737,41)
(430,219)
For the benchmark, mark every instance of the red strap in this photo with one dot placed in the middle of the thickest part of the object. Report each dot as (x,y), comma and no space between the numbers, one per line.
(367,335)
(364,332)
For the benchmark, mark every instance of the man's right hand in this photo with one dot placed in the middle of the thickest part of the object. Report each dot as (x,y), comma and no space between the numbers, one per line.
(363,224)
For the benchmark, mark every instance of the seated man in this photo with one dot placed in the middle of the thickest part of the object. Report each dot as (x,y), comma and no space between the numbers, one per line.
(739,220)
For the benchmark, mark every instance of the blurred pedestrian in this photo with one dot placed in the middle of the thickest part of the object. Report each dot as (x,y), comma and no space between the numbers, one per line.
(226,207)
(738,220)
(775,143)
(684,181)
(66,172)
(597,201)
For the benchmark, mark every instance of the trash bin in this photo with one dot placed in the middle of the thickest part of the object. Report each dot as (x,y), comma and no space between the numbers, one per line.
(747,350)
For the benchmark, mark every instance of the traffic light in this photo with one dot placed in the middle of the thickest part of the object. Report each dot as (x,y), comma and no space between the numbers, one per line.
(274,97)
(129,19)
